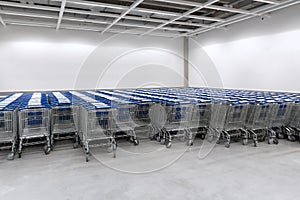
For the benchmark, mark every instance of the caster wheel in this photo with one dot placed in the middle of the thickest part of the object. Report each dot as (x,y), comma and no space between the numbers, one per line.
(86,159)
(162,141)
(47,149)
(280,136)
(210,138)
(275,141)
(202,136)
(20,155)
(136,142)
(245,141)
(169,145)
(227,145)
(158,138)
(110,149)
(270,141)
(255,144)
(75,145)
(11,156)
(291,138)
(189,143)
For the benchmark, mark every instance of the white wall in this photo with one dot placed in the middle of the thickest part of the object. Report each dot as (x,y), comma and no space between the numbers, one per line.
(255,54)
(45,59)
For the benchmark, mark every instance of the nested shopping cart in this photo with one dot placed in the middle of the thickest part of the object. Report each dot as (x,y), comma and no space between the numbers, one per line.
(140,112)
(258,120)
(280,113)
(34,121)
(94,124)
(171,118)
(122,124)
(200,116)
(8,123)
(228,121)
(294,121)
(64,118)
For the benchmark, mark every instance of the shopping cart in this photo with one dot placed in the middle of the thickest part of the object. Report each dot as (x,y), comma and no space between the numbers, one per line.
(217,121)
(140,112)
(233,122)
(200,116)
(257,122)
(8,123)
(122,124)
(64,117)
(34,122)
(294,121)
(278,118)
(171,118)
(95,124)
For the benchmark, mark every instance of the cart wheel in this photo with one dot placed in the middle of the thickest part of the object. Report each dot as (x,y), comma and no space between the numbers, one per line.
(75,145)
(291,138)
(169,145)
(227,144)
(210,138)
(280,136)
(202,136)
(245,141)
(157,138)
(47,149)
(110,149)
(189,143)
(20,155)
(270,140)
(255,144)
(86,159)
(162,141)
(136,142)
(275,141)
(11,156)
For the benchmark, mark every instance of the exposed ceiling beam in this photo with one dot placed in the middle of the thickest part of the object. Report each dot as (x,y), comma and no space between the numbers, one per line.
(269,1)
(22,5)
(2,22)
(183,15)
(74,11)
(61,13)
(86,28)
(213,7)
(43,16)
(239,18)
(133,6)
(143,10)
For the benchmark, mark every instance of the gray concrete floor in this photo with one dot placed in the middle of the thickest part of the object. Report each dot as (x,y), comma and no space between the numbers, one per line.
(150,171)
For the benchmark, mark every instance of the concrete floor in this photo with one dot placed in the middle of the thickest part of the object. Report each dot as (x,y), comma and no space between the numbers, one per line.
(241,172)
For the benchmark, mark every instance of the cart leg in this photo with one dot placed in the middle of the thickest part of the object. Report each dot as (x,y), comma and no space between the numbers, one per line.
(168,138)
(76,140)
(47,147)
(11,155)
(114,147)
(290,135)
(51,142)
(254,137)
(86,151)
(189,136)
(20,147)
(227,137)
(245,136)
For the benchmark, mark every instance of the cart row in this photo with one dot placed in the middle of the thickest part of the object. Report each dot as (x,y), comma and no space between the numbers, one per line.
(98,118)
